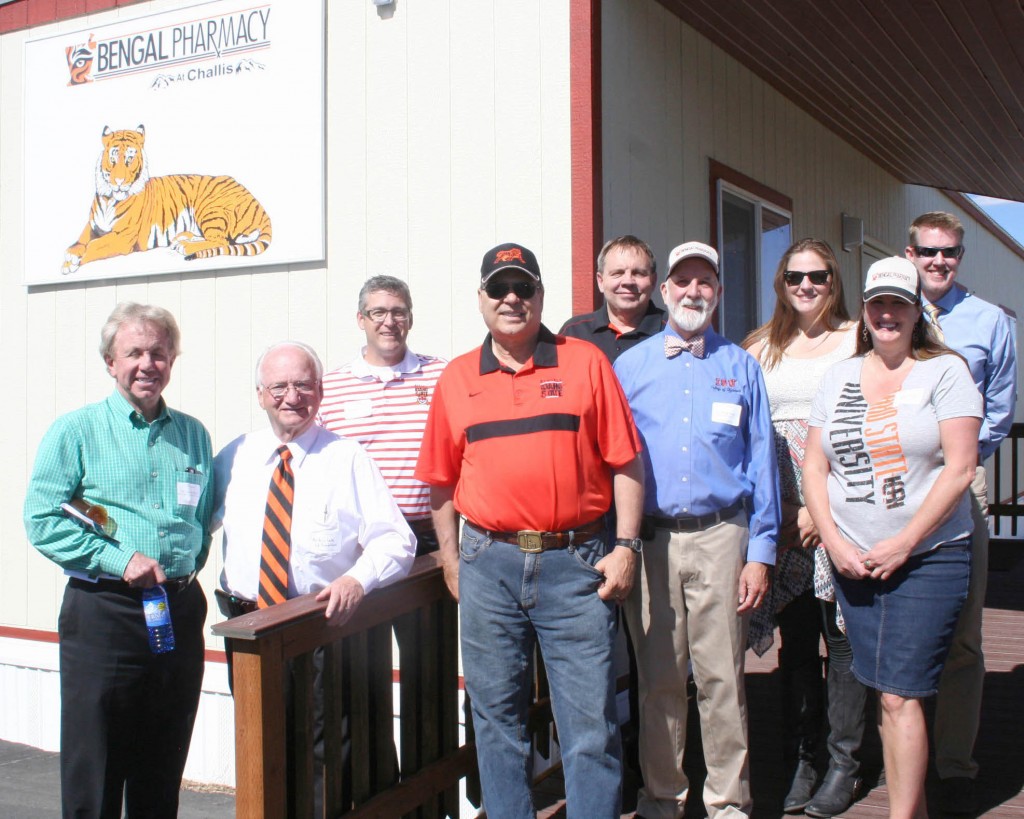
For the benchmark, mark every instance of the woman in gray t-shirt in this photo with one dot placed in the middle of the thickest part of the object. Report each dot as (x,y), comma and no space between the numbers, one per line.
(891,451)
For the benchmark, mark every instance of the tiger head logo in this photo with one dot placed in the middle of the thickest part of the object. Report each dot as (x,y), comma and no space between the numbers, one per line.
(80,59)
(511,255)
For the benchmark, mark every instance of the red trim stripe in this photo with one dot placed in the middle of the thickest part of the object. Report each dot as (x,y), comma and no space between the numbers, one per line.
(34,635)
(585,136)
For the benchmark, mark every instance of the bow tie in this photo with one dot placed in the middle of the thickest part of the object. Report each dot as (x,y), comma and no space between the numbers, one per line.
(674,346)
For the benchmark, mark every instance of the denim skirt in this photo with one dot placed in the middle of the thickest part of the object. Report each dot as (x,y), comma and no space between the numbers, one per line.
(901,629)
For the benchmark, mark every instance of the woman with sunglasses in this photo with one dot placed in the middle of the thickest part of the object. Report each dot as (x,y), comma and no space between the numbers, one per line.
(809,331)
(891,452)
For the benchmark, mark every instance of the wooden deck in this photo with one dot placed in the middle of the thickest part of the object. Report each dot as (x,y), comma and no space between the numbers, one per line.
(999,750)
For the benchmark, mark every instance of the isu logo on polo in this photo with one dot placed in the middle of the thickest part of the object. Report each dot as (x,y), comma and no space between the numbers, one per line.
(422,397)
(511,255)
(550,389)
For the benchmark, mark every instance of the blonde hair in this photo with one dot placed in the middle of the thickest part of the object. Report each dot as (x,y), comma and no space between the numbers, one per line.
(129,312)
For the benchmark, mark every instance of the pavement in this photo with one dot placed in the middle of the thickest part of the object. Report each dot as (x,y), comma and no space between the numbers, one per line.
(30,788)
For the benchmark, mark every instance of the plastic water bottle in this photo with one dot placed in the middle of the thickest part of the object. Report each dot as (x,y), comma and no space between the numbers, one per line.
(158,620)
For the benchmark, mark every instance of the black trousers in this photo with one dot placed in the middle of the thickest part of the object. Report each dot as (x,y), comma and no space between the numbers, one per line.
(126,713)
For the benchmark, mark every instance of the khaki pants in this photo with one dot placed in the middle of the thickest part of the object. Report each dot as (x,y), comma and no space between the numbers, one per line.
(684,607)
(958,705)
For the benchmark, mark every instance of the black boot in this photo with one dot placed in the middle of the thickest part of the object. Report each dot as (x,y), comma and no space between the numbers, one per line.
(800,788)
(846,698)
(801,708)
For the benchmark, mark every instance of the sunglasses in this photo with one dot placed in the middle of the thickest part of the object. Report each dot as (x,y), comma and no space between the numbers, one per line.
(795,277)
(951,252)
(498,290)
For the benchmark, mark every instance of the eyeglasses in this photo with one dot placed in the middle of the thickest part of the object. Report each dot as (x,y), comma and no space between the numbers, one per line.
(951,252)
(378,314)
(795,277)
(280,390)
(498,290)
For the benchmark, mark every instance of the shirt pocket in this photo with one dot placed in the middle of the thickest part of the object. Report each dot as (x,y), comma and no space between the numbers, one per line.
(189,489)
(725,419)
(319,539)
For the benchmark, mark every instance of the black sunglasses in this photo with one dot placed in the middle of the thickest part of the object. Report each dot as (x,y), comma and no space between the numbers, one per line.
(498,290)
(951,252)
(795,277)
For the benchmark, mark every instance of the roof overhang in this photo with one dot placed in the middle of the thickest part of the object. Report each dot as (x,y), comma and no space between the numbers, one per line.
(930,91)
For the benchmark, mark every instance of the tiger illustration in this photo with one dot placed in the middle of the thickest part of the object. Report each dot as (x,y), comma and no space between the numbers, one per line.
(198,216)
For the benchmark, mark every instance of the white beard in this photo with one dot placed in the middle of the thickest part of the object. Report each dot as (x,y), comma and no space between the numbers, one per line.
(691,320)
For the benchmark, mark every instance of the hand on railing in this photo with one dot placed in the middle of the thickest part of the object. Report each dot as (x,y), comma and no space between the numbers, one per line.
(343,597)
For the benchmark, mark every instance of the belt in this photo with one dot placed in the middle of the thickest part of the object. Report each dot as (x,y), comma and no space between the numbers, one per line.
(532,541)
(177,584)
(172,585)
(231,606)
(696,522)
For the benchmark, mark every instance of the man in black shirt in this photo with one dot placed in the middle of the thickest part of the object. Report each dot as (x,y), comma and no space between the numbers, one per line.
(626,275)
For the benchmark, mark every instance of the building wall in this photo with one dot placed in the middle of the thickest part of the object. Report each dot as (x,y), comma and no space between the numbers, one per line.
(447,132)
(672,101)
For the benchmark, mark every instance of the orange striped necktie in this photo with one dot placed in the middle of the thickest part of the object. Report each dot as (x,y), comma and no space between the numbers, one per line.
(277,537)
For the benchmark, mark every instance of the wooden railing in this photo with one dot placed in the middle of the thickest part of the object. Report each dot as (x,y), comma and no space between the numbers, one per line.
(273,664)
(1007,506)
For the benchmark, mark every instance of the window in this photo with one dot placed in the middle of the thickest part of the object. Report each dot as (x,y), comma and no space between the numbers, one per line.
(753,228)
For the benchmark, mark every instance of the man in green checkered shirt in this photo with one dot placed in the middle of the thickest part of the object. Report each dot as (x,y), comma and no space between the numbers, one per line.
(126,713)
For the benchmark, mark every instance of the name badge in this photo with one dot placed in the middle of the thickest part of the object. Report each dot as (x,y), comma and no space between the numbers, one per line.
(358,409)
(725,413)
(188,494)
(911,398)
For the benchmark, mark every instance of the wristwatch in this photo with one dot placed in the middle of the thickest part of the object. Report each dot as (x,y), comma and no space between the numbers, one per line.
(635,544)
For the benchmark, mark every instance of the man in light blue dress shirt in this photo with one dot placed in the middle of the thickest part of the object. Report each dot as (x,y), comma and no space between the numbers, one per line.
(711,519)
(986,336)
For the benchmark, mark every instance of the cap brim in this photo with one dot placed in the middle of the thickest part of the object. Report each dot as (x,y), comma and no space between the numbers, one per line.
(899,292)
(489,276)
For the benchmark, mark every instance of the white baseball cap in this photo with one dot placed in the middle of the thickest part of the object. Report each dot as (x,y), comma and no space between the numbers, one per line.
(693,250)
(894,276)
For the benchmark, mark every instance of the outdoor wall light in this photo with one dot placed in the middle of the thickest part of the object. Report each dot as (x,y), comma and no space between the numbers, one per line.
(853,232)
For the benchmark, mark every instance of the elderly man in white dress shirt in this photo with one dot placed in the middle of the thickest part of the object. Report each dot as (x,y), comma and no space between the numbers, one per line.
(315,501)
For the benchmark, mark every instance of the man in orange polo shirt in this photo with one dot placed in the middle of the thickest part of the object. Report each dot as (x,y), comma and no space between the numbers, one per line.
(530,439)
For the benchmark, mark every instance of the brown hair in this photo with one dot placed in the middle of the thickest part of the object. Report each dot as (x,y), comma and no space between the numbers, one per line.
(627,242)
(939,220)
(779,330)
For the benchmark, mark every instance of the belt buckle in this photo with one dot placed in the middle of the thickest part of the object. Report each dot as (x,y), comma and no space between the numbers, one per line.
(530,541)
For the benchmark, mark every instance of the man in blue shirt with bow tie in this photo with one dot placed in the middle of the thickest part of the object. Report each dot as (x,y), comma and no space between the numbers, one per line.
(711,519)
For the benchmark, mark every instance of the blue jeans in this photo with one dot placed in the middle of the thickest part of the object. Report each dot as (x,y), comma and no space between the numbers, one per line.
(508,602)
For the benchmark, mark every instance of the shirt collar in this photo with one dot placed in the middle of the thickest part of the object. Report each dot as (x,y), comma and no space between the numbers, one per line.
(650,324)
(122,408)
(300,446)
(409,364)
(545,354)
(710,337)
(953,297)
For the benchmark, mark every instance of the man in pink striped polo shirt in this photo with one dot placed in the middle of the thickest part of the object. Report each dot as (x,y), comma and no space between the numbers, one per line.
(381,398)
